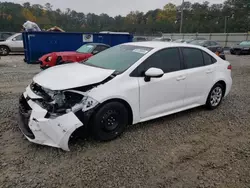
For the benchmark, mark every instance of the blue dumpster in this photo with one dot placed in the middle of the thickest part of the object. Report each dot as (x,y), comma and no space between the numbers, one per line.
(36,44)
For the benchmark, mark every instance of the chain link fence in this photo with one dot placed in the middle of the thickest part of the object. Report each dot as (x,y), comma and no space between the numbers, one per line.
(225,39)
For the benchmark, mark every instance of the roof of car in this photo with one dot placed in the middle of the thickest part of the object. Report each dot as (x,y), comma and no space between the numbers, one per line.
(158,44)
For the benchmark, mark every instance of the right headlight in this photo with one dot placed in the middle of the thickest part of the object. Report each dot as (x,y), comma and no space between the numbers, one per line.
(88,103)
(49,58)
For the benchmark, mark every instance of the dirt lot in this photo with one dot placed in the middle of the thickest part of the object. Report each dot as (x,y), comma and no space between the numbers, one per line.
(196,148)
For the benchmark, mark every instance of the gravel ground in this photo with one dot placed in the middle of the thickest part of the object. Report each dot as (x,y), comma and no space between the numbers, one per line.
(195,148)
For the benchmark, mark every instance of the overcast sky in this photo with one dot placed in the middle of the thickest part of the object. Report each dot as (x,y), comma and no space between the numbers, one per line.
(111,7)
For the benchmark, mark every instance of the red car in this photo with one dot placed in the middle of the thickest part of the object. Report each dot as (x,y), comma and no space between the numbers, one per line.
(84,52)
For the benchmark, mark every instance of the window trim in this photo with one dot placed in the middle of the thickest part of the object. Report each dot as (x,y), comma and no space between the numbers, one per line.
(135,72)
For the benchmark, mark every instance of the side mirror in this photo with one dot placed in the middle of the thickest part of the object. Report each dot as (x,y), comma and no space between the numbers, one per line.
(153,73)
(14,39)
(95,52)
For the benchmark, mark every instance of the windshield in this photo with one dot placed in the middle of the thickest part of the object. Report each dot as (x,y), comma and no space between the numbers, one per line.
(118,58)
(86,48)
(245,43)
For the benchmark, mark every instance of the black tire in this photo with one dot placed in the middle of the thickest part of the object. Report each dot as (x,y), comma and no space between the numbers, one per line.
(4,50)
(212,101)
(109,121)
(232,52)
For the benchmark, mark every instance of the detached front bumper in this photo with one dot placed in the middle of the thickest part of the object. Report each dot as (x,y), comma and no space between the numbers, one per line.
(41,130)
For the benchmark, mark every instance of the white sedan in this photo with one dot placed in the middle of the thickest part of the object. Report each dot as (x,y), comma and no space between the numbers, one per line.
(13,43)
(126,84)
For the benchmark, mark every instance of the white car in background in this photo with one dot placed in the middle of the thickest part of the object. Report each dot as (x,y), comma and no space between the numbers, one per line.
(125,84)
(163,39)
(12,44)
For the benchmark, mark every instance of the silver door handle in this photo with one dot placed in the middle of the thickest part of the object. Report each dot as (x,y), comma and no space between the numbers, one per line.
(181,78)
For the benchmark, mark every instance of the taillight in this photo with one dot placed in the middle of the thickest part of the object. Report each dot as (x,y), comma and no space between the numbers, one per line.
(229,67)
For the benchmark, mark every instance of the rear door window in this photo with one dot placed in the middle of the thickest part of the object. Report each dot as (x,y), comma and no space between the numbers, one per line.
(192,57)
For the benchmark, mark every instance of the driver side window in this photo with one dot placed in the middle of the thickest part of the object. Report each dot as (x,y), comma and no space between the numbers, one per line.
(168,60)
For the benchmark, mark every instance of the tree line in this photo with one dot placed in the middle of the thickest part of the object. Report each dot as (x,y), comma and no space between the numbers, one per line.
(198,17)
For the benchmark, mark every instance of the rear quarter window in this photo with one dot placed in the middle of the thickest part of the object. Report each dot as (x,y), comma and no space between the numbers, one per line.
(192,57)
(208,59)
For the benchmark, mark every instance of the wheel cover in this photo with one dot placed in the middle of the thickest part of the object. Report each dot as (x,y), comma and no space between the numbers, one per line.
(110,120)
(216,96)
(3,51)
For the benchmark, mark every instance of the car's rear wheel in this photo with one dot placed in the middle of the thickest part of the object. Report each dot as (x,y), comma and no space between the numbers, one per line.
(215,96)
(4,50)
(109,122)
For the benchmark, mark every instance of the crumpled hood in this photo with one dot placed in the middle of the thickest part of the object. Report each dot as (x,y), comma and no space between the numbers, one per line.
(71,76)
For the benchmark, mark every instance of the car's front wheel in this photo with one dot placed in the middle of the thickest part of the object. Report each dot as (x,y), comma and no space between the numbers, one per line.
(4,50)
(215,96)
(109,121)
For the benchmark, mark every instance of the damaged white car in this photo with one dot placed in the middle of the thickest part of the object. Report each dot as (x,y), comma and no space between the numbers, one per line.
(123,85)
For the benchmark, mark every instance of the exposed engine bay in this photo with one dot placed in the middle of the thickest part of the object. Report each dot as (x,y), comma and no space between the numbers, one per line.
(61,102)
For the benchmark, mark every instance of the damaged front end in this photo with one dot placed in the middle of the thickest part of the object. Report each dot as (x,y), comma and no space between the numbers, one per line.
(50,117)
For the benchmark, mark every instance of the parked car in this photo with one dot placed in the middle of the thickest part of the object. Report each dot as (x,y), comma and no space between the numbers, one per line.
(211,45)
(84,52)
(125,84)
(180,40)
(12,44)
(163,39)
(139,39)
(188,41)
(241,48)
(5,35)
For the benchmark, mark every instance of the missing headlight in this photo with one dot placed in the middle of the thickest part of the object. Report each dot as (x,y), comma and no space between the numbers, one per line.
(72,98)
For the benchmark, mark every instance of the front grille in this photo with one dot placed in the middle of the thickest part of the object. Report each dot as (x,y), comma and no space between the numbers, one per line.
(24,115)
(23,105)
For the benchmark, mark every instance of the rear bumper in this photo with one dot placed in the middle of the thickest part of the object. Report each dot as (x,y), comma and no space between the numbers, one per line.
(228,86)
(38,129)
